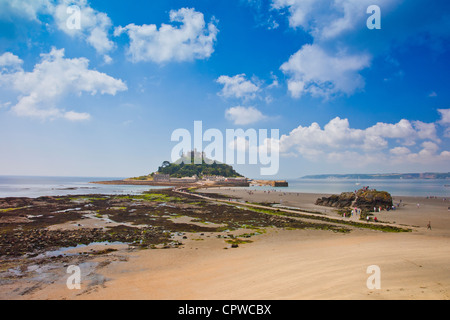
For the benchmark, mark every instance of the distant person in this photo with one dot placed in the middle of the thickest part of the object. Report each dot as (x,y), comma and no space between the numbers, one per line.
(418,206)
(429,225)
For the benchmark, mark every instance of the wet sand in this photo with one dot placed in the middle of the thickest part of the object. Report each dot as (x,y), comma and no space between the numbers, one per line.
(281,264)
(435,210)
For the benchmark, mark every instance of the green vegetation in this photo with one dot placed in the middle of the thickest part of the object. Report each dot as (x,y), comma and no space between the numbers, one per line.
(238,241)
(155,197)
(142,178)
(87,199)
(11,209)
(187,168)
(371,226)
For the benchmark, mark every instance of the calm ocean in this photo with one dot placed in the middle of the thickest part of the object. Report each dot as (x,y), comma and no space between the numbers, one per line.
(417,187)
(33,187)
(23,186)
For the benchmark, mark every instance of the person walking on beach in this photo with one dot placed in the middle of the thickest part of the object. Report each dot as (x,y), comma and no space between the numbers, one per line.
(429,225)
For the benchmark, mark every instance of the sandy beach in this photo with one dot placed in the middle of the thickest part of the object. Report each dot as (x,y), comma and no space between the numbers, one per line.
(277,264)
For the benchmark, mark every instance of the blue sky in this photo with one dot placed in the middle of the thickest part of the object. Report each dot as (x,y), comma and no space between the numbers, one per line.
(104,99)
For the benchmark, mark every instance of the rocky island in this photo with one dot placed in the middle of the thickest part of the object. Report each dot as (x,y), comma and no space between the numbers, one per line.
(364,199)
(195,169)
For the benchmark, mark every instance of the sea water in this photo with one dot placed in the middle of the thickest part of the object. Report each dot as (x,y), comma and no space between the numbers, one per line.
(400,187)
(33,187)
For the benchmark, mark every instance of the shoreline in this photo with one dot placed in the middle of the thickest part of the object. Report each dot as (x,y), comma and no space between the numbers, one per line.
(199,185)
(306,263)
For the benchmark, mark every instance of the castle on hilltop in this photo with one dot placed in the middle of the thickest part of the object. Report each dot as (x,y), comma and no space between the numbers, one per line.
(194,154)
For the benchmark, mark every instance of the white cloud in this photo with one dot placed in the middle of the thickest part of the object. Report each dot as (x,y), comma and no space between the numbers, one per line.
(328,19)
(314,71)
(54,78)
(299,11)
(76,116)
(24,8)
(193,39)
(244,115)
(330,65)
(94,25)
(445,121)
(426,130)
(400,151)
(445,116)
(338,142)
(238,87)
(447,133)
(429,154)
(9,60)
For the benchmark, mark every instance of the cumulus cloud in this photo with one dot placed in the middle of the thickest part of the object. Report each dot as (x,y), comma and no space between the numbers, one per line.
(445,121)
(244,115)
(445,116)
(380,143)
(238,87)
(9,60)
(76,116)
(314,71)
(94,25)
(332,64)
(299,11)
(328,19)
(93,28)
(191,40)
(24,8)
(52,79)
(428,154)
(400,151)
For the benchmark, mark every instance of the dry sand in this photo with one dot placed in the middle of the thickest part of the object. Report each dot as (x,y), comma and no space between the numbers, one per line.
(286,264)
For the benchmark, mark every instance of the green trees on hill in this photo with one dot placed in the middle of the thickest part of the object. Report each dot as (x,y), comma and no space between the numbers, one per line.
(188,170)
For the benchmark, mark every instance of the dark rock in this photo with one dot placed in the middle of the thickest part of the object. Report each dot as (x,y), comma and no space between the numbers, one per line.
(365,200)
(371,198)
(344,200)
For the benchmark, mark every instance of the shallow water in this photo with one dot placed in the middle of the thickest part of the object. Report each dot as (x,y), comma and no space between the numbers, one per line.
(423,188)
(66,251)
(33,187)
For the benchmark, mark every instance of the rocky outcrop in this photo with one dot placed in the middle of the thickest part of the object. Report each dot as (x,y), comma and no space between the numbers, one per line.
(363,199)
(369,199)
(343,200)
